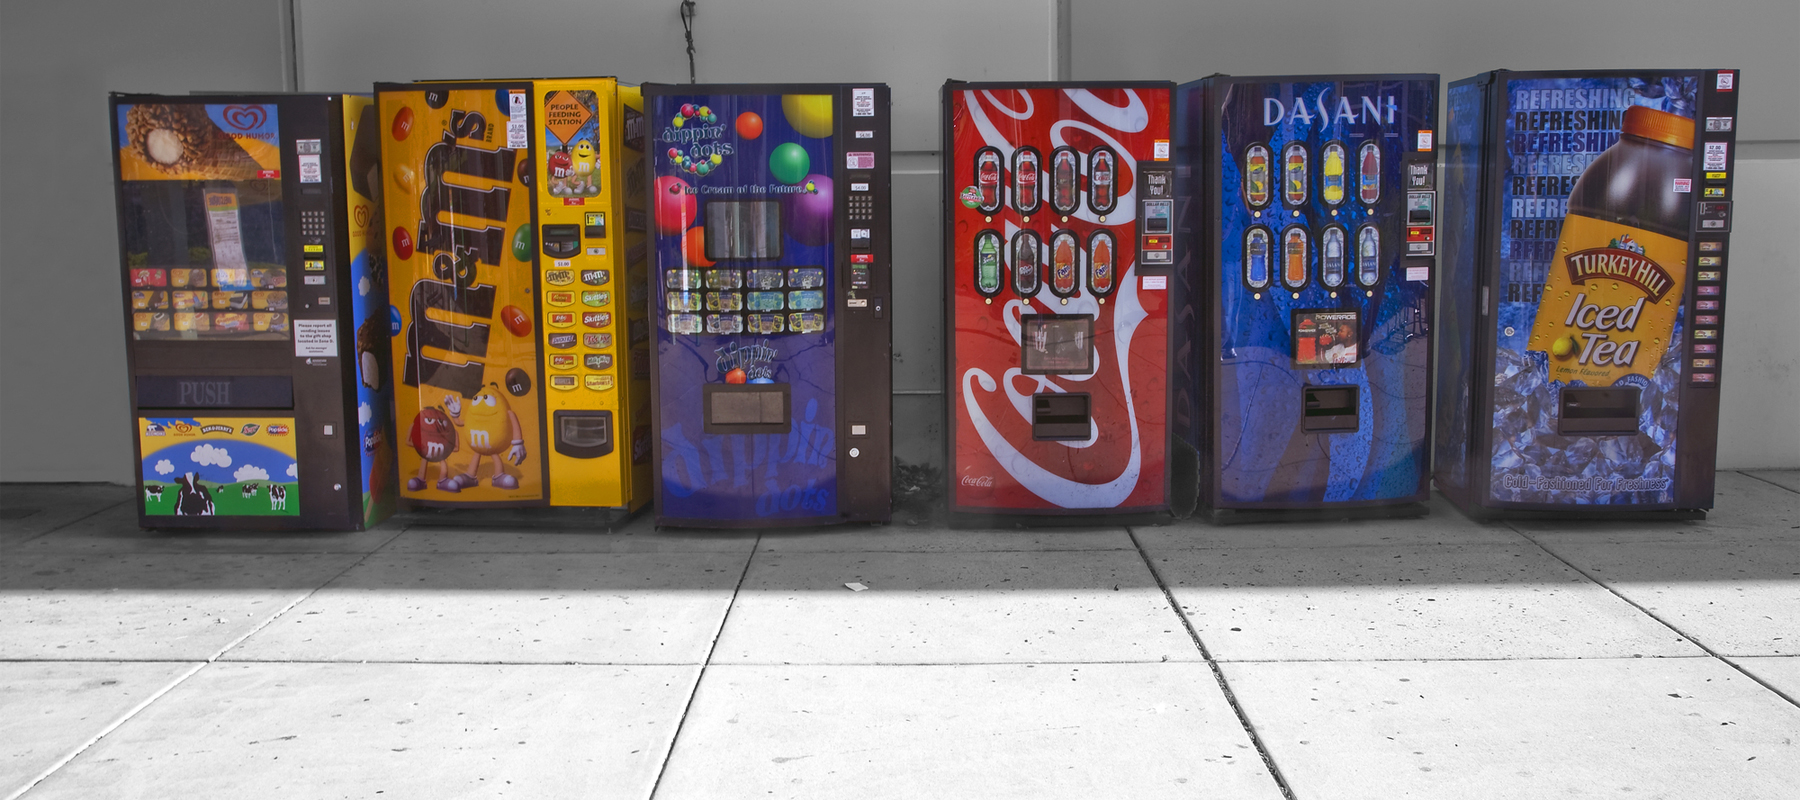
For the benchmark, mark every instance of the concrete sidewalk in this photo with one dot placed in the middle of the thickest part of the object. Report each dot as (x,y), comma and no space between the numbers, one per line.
(1432,658)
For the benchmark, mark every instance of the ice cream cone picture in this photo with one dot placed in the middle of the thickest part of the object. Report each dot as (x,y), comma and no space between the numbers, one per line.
(181,141)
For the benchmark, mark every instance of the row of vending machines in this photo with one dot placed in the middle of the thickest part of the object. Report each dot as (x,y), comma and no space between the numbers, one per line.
(575,295)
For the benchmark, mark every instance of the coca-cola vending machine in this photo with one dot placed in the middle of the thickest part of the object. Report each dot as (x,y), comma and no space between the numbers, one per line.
(1586,258)
(1311,203)
(1059,264)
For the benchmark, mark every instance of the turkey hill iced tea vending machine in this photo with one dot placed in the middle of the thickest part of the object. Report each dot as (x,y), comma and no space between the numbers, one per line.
(1058,252)
(770,289)
(1589,221)
(1313,207)
(257,309)
(515,221)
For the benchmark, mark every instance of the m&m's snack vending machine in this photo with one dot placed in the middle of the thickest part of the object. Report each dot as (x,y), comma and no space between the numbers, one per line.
(256,310)
(1312,202)
(1059,254)
(770,291)
(515,227)
(1587,254)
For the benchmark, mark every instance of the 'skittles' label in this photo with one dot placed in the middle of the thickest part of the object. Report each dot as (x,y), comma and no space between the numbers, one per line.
(1610,301)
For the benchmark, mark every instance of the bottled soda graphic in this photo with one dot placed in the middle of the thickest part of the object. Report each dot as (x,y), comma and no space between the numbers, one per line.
(987,262)
(1331,258)
(1293,262)
(1368,255)
(1256,258)
(1293,185)
(987,179)
(1100,263)
(1256,176)
(1611,297)
(1025,180)
(1062,263)
(1065,175)
(1332,184)
(1026,254)
(1102,191)
(1368,175)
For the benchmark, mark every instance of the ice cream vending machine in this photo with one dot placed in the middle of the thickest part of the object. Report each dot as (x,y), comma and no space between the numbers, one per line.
(1589,247)
(1312,202)
(256,310)
(515,231)
(1059,228)
(770,288)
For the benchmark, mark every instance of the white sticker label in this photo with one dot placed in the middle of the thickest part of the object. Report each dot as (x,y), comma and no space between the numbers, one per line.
(564,262)
(315,280)
(596,251)
(1718,124)
(862,102)
(857,302)
(1716,153)
(515,123)
(311,171)
(1160,151)
(1154,282)
(1425,141)
(1727,81)
(1418,273)
(1684,185)
(859,187)
(865,134)
(859,160)
(859,233)
(315,338)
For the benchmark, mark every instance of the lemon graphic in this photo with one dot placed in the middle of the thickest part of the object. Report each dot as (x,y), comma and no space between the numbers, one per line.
(1563,347)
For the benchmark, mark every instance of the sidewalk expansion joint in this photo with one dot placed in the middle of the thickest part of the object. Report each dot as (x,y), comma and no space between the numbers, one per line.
(701,676)
(98,511)
(1218,673)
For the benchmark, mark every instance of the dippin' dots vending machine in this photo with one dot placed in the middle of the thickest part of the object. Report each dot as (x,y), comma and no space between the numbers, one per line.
(1312,201)
(1060,282)
(1587,252)
(770,285)
(256,310)
(520,357)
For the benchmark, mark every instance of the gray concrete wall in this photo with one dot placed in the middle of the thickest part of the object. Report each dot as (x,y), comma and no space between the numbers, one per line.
(62,383)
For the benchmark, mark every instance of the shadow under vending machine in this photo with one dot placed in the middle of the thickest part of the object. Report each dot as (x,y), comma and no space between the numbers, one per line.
(520,347)
(1312,206)
(771,289)
(1588,249)
(1059,251)
(257,310)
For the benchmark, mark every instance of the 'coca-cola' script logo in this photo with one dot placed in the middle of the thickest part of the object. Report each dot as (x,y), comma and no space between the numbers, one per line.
(1620,265)
(245,118)
(971,480)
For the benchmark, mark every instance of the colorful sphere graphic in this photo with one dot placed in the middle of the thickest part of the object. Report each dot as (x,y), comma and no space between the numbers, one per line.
(810,114)
(808,214)
(749,125)
(789,163)
(676,206)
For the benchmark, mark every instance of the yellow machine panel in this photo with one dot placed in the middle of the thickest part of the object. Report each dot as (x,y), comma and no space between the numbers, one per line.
(508,259)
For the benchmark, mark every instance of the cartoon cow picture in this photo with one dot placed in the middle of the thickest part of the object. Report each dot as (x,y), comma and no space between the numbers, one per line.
(277,498)
(249,490)
(192,499)
(153,494)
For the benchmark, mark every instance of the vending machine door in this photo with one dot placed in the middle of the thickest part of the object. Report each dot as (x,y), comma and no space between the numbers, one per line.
(769,290)
(1059,249)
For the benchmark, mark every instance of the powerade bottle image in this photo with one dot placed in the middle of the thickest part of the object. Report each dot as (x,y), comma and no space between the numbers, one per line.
(1294,261)
(1369,175)
(1256,176)
(1294,187)
(1332,187)
(1256,258)
(1612,294)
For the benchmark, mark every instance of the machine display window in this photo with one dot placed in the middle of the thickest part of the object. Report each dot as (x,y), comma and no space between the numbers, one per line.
(1326,338)
(1296,251)
(743,229)
(747,408)
(1103,186)
(1368,255)
(988,170)
(1256,257)
(1027,169)
(1065,180)
(990,273)
(1331,173)
(1057,344)
(1294,177)
(184,238)
(1027,252)
(1256,176)
(1065,264)
(1102,250)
